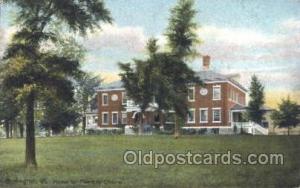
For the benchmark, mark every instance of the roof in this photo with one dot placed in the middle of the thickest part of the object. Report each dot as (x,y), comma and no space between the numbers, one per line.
(238,107)
(113,85)
(241,107)
(205,76)
(211,76)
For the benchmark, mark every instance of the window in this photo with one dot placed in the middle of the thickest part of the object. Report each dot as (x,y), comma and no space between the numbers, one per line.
(191,94)
(104,118)
(124,118)
(104,99)
(191,116)
(114,118)
(216,115)
(203,115)
(217,92)
(124,98)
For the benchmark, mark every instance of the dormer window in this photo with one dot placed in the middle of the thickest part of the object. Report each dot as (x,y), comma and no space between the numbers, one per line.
(217,92)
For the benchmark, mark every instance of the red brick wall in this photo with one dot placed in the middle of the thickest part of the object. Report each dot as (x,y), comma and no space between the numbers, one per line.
(113,106)
(200,102)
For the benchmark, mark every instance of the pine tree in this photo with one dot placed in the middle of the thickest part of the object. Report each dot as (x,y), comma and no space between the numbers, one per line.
(138,81)
(254,111)
(182,40)
(181,32)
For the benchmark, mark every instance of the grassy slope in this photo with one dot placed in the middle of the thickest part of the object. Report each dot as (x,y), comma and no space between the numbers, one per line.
(99,159)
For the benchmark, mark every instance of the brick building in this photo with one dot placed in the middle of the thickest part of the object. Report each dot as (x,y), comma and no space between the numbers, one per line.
(210,106)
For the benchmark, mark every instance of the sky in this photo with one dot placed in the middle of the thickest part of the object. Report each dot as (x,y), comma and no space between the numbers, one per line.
(241,36)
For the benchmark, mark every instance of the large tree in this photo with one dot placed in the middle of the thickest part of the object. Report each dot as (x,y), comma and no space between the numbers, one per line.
(181,32)
(182,40)
(287,115)
(172,79)
(138,81)
(30,69)
(166,76)
(257,100)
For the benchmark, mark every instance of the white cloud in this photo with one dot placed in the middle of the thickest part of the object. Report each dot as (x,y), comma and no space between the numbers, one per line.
(291,24)
(127,38)
(232,36)
(242,44)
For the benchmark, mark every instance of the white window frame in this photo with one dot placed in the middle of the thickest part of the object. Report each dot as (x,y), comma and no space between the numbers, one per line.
(122,113)
(112,118)
(188,119)
(192,88)
(105,94)
(213,93)
(203,109)
(123,97)
(102,118)
(213,115)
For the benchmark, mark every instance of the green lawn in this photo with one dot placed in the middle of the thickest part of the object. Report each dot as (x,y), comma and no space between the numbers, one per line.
(94,161)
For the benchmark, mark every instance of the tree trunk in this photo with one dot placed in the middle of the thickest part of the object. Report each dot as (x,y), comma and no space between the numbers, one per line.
(83,124)
(6,125)
(30,158)
(10,129)
(49,132)
(141,127)
(21,127)
(15,129)
(288,130)
(176,128)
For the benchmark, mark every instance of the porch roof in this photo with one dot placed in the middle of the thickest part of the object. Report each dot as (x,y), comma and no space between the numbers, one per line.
(238,107)
(241,107)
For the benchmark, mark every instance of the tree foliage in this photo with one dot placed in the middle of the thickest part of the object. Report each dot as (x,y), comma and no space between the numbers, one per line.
(59,115)
(181,32)
(85,94)
(138,80)
(29,69)
(165,76)
(257,100)
(288,114)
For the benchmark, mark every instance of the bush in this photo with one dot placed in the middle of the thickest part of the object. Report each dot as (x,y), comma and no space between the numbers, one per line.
(105,131)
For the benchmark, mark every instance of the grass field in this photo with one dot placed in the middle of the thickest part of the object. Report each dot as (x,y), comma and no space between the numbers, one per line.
(97,161)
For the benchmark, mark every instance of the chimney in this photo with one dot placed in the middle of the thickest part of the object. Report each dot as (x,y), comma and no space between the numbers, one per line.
(206,62)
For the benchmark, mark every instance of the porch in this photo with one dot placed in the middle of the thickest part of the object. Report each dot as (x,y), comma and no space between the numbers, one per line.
(239,124)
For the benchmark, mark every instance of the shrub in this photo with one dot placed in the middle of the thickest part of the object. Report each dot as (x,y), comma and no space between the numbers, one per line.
(105,131)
